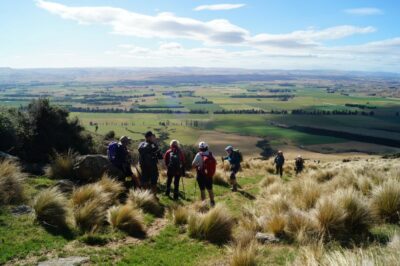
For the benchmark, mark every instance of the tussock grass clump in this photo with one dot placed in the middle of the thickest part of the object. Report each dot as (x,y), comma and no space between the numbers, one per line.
(244,255)
(301,227)
(220,180)
(112,186)
(62,165)
(146,201)
(86,193)
(214,226)
(330,218)
(91,215)
(269,179)
(324,175)
(385,202)
(276,224)
(305,193)
(181,215)
(126,218)
(358,215)
(51,208)
(201,206)
(11,178)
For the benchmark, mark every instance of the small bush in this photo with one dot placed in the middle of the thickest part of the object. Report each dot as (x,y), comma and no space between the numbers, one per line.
(301,227)
(109,135)
(146,201)
(61,166)
(385,201)
(181,215)
(244,255)
(11,178)
(51,208)
(214,226)
(126,218)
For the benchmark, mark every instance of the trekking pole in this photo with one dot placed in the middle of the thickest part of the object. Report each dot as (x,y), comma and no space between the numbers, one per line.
(194,195)
(183,186)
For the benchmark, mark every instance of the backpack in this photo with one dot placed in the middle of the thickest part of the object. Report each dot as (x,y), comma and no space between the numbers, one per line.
(112,151)
(239,155)
(209,165)
(174,160)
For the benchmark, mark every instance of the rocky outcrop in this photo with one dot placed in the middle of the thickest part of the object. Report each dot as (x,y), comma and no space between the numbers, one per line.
(90,168)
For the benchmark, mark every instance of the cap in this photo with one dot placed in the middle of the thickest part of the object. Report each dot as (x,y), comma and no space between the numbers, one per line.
(229,147)
(148,134)
(203,145)
(124,139)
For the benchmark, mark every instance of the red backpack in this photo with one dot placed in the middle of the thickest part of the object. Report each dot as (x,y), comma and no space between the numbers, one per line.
(209,165)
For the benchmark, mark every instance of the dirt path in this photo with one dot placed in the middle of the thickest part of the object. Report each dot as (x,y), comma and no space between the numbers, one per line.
(76,247)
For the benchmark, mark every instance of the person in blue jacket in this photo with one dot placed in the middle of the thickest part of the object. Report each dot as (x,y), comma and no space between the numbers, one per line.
(234,158)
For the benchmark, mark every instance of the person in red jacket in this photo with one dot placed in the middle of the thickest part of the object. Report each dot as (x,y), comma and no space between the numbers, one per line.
(175,161)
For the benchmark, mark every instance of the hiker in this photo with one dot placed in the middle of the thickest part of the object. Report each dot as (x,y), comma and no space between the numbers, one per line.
(279,162)
(149,154)
(175,161)
(234,159)
(205,164)
(119,156)
(299,164)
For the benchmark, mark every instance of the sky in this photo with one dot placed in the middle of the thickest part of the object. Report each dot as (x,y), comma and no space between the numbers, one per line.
(361,35)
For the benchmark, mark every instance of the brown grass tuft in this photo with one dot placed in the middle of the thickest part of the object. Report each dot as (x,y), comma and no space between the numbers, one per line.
(146,201)
(11,178)
(385,202)
(61,166)
(51,208)
(127,218)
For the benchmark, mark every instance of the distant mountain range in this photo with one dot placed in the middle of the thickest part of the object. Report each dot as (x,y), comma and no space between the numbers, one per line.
(174,75)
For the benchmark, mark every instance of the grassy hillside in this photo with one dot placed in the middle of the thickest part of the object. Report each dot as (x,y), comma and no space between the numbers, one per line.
(333,213)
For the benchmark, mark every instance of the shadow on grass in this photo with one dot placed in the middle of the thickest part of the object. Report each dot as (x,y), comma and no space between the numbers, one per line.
(64,231)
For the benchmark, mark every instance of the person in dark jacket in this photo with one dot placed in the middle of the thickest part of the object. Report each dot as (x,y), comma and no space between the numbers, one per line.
(279,162)
(175,161)
(299,164)
(233,158)
(149,154)
(122,161)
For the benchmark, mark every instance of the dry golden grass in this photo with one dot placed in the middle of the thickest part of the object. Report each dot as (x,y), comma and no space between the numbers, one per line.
(86,193)
(61,166)
(301,227)
(220,178)
(91,215)
(215,226)
(385,201)
(180,215)
(146,201)
(330,218)
(305,192)
(111,186)
(11,183)
(126,218)
(51,208)
(244,255)
(276,224)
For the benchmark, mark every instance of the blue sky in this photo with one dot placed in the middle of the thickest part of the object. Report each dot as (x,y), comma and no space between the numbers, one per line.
(260,34)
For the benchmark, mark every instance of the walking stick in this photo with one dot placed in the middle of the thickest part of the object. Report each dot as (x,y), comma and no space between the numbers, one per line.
(183,186)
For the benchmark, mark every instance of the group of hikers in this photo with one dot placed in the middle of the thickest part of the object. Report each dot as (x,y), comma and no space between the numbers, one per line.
(204,162)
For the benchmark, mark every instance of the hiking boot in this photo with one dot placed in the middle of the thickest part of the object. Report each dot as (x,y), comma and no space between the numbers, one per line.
(234,188)
(167,192)
(176,196)
(212,203)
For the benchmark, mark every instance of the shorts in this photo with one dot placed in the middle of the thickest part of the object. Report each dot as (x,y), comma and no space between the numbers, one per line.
(204,182)
(149,177)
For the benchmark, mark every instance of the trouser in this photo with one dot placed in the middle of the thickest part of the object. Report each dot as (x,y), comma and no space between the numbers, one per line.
(279,170)
(171,175)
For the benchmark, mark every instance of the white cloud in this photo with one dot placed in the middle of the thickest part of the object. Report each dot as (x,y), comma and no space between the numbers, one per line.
(218,7)
(169,26)
(364,11)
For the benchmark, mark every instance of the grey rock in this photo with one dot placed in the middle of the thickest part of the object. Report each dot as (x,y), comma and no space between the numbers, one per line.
(65,185)
(6,156)
(266,238)
(68,261)
(90,168)
(21,209)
